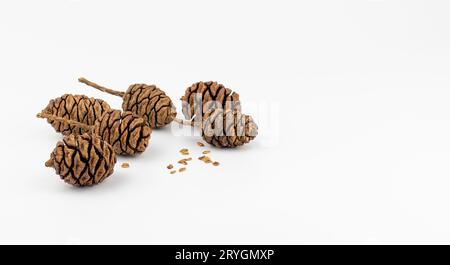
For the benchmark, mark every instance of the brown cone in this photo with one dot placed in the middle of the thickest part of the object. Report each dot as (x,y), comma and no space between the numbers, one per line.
(147,101)
(82,160)
(128,133)
(228,129)
(79,108)
(150,102)
(203,97)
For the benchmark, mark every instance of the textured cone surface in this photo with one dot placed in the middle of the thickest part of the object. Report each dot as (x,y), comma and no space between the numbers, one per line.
(128,133)
(228,129)
(150,102)
(82,160)
(204,97)
(78,108)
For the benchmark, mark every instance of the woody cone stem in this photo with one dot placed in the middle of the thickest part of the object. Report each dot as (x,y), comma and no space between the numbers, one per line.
(183,122)
(101,88)
(63,120)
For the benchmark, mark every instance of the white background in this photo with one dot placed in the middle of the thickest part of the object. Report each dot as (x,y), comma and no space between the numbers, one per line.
(358,152)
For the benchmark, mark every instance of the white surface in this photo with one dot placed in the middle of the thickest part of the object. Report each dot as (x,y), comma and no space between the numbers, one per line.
(362,151)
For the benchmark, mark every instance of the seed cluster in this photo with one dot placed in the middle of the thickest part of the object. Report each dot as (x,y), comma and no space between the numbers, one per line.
(184,161)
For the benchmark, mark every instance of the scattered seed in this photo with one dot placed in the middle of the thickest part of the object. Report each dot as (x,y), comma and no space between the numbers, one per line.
(189,159)
(125,165)
(200,144)
(205,159)
(173,172)
(216,164)
(170,166)
(184,151)
(182,169)
(206,152)
(182,161)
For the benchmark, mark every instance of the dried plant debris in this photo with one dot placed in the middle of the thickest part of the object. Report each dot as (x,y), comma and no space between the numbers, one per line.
(173,172)
(147,101)
(170,166)
(206,152)
(125,165)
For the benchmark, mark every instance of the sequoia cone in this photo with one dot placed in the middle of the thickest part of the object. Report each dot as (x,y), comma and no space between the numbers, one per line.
(127,132)
(150,102)
(82,160)
(79,108)
(203,97)
(228,129)
(147,101)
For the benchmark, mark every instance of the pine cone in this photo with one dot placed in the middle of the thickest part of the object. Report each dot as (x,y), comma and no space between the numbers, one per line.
(82,160)
(150,102)
(128,133)
(228,129)
(204,97)
(79,108)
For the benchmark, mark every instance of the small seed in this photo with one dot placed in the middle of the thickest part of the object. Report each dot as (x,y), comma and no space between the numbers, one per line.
(173,172)
(200,144)
(125,165)
(206,152)
(182,161)
(170,166)
(182,169)
(216,163)
(205,159)
(184,151)
(189,159)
